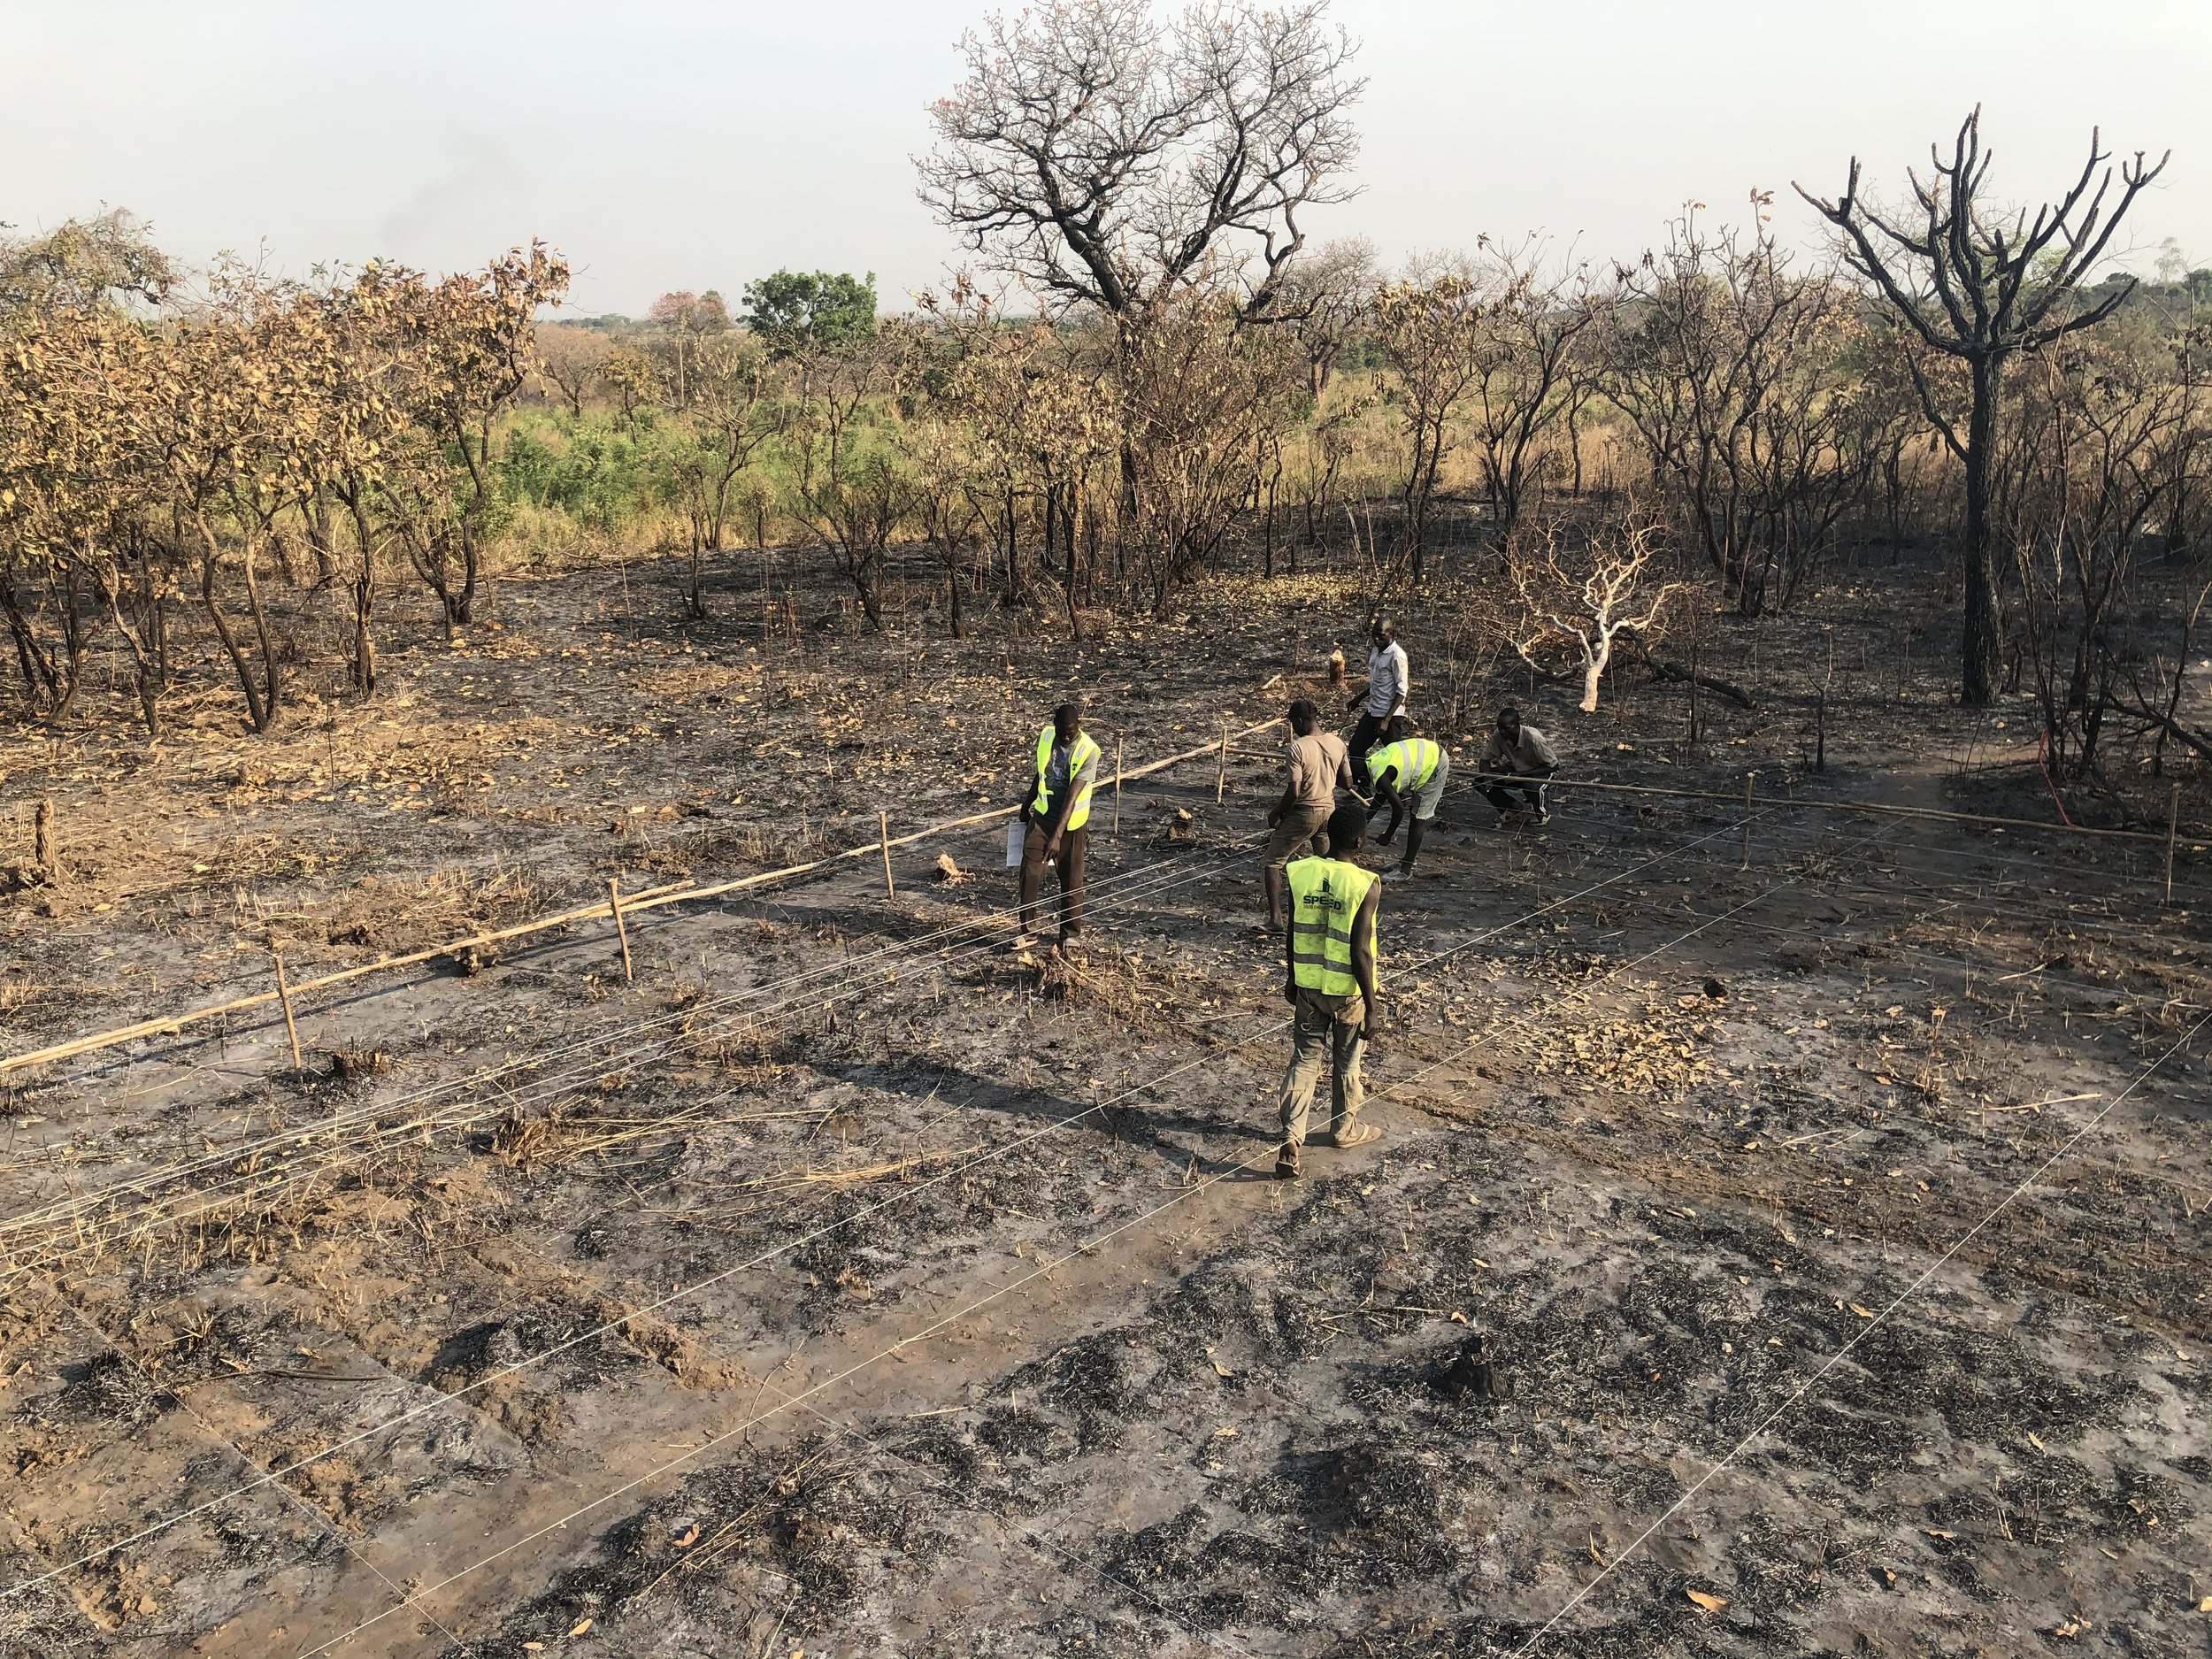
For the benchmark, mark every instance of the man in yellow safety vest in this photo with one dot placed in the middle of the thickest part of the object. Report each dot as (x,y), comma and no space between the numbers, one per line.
(1057,814)
(1332,988)
(1409,773)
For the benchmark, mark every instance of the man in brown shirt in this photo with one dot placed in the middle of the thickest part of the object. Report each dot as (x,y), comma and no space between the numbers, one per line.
(1317,766)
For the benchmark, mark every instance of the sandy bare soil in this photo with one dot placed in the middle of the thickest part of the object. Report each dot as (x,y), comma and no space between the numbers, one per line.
(1789,1234)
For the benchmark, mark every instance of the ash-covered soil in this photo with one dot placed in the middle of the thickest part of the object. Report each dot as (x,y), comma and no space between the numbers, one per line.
(1788,1235)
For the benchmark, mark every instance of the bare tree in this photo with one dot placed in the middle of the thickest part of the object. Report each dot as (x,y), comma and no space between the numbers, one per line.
(1979,290)
(1586,591)
(1530,374)
(1430,332)
(573,361)
(1728,363)
(1106,156)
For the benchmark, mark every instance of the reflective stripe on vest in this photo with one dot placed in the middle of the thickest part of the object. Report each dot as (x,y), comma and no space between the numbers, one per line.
(1325,894)
(1086,751)
(1415,757)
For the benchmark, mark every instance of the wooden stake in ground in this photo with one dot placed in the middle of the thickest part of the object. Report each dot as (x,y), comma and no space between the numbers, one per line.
(1221,772)
(284,996)
(1820,739)
(883,842)
(621,930)
(2173,823)
(1118,739)
(1749,778)
(42,841)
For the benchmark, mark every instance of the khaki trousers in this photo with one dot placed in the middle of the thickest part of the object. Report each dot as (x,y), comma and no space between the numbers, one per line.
(1324,1036)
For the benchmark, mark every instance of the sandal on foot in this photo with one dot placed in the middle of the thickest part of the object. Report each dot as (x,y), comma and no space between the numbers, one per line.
(1357,1135)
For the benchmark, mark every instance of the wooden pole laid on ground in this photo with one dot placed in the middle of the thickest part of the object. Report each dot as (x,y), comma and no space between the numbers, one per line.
(1221,772)
(42,841)
(621,929)
(883,844)
(284,996)
(1749,778)
(2173,824)
(1118,739)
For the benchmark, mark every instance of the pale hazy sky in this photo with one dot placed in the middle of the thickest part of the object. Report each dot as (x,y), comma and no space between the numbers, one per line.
(669,143)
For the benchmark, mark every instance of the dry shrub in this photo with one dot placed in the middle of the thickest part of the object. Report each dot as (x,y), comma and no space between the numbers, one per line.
(1116,988)
(386,914)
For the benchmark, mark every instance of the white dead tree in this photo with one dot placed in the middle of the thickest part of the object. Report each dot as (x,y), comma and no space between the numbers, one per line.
(1584,591)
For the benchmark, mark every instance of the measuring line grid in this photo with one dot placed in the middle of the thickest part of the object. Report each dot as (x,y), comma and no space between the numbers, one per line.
(1462,948)
(656,1306)
(1581,993)
(403,1131)
(1235,1170)
(983,920)
(926,949)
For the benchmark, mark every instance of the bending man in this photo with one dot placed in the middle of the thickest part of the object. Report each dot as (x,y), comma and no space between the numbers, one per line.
(1522,757)
(1332,988)
(1410,775)
(1058,813)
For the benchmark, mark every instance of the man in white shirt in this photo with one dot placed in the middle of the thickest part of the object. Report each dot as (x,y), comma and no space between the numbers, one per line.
(1388,681)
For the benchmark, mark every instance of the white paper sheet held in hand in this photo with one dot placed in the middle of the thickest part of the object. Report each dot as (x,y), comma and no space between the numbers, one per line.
(1014,833)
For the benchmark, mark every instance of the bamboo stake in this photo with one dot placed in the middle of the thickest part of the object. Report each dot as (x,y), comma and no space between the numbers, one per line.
(1221,772)
(645,898)
(42,841)
(284,994)
(883,843)
(1118,785)
(621,928)
(2173,824)
(1748,777)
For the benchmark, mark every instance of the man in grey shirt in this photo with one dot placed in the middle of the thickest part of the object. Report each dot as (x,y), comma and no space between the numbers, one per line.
(1519,757)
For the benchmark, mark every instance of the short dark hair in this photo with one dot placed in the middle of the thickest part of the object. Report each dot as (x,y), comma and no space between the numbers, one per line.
(1068,714)
(1304,716)
(1347,829)
(1509,715)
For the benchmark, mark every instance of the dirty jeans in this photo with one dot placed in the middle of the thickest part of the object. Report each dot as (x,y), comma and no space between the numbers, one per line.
(1070,863)
(1324,1033)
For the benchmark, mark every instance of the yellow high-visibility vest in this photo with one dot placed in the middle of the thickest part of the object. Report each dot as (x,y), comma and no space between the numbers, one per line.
(1325,894)
(1086,751)
(1415,757)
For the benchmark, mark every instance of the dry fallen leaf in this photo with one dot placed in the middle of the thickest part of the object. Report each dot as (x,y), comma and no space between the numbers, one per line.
(1222,1371)
(582,1625)
(1710,1603)
(1863,1313)
(689,1538)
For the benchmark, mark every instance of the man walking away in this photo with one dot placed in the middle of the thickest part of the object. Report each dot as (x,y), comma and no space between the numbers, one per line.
(1410,775)
(1332,988)
(1384,695)
(1318,768)
(1057,812)
(1519,757)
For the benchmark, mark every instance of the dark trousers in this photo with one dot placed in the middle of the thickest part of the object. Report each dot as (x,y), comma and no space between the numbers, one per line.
(1533,787)
(1070,864)
(1366,735)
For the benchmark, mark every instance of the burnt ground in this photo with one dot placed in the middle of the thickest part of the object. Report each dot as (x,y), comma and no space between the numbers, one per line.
(1788,1236)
